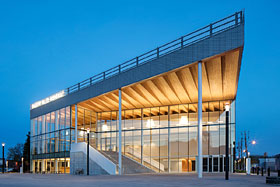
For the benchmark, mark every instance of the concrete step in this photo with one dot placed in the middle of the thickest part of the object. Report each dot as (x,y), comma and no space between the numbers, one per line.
(129,165)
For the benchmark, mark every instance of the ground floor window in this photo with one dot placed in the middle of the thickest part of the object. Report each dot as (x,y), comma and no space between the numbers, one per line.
(53,165)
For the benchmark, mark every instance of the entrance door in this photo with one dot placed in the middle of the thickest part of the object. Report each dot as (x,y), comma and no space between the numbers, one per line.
(221,164)
(215,163)
(205,164)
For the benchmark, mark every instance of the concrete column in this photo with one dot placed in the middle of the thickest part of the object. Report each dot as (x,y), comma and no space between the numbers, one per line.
(199,121)
(168,137)
(33,166)
(142,125)
(56,166)
(120,131)
(43,166)
(76,123)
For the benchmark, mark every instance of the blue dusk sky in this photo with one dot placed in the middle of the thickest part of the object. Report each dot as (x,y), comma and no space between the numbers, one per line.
(46,46)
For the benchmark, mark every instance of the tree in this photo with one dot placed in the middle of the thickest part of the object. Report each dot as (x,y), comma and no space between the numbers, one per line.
(26,154)
(15,153)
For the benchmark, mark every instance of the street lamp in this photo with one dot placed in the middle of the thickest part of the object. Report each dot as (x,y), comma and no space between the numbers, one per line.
(22,159)
(254,142)
(3,158)
(227,141)
(88,151)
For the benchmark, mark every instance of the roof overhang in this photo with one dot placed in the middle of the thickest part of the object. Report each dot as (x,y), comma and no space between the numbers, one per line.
(221,55)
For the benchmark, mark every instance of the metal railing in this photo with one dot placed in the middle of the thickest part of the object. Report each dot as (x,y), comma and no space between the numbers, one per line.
(186,40)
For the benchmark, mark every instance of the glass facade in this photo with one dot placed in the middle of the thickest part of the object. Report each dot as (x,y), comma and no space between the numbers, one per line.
(162,138)
(50,142)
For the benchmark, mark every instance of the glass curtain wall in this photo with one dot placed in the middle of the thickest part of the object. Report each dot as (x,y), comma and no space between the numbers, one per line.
(50,141)
(162,138)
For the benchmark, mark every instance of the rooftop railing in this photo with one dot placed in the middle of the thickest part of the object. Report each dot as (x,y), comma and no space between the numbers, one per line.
(186,40)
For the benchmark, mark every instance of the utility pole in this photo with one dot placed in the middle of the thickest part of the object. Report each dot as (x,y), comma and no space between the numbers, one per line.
(246,138)
(239,154)
(241,150)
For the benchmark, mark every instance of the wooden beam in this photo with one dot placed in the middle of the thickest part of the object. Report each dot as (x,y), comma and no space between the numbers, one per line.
(147,94)
(151,87)
(177,87)
(130,91)
(166,90)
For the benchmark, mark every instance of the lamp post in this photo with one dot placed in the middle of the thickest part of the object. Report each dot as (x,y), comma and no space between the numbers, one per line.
(3,158)
(22,163)
(227,141)
(88,151)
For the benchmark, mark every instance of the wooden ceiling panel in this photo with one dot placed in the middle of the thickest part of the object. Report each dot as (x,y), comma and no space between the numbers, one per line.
(214,70)
(230,74)
(219,82)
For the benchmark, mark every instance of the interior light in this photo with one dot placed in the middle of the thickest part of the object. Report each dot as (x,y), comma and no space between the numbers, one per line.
(150,123)
(104,127)
(184,120)
(227,107)
(66,133)
(253,142)
(88,130)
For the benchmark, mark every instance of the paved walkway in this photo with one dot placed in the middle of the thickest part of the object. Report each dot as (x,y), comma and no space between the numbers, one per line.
(48,180)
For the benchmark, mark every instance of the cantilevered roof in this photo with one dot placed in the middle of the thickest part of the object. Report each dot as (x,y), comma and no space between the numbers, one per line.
(219,82)
(168,74)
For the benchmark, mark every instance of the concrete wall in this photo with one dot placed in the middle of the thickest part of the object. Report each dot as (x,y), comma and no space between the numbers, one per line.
(217,44)
(98,163)
(78,161)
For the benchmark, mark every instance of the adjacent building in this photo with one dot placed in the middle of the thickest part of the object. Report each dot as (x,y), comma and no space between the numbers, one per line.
(147,110)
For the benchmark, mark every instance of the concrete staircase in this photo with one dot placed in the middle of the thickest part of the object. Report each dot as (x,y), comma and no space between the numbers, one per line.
(129,165)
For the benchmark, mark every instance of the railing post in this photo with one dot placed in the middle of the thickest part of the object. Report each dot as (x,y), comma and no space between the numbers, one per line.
(157,52)
(119,68)
(79,86)
(137,62)
(211,29)
(104,74)
(182,42)
(241,17)
(90,81)
(68,90)
(236,18)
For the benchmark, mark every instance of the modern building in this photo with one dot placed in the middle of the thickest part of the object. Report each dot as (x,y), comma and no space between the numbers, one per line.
(166,108)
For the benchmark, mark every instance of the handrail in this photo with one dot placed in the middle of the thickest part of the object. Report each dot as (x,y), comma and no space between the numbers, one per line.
(177,44)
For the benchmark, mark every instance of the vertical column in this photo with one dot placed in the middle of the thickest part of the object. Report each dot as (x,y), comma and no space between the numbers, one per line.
(57,134)
(33,166)
(43,132)
(76,123)
(120,131)
(199,130)
(142,135)
(56,166)
(227,142)
(168,154)
(43,166)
